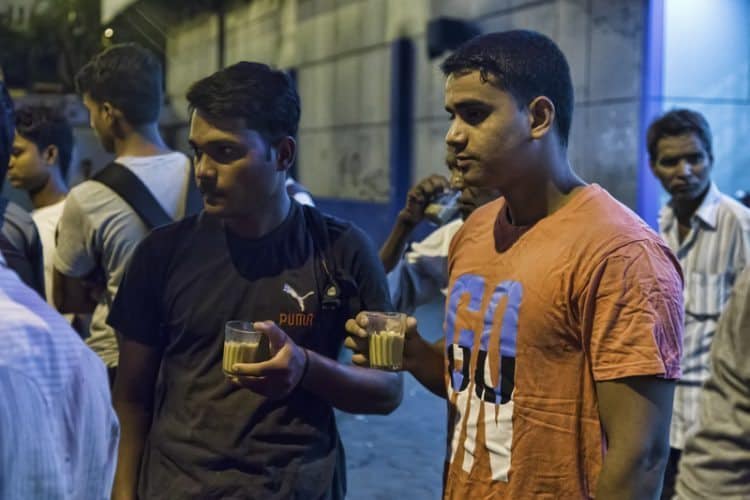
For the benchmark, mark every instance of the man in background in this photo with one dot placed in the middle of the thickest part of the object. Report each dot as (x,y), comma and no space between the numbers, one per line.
(122,89)
(710,234)
(19,239)
(421,273)
(39,162)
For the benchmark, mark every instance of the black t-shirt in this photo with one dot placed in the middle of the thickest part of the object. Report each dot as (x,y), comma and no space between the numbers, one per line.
(208,438)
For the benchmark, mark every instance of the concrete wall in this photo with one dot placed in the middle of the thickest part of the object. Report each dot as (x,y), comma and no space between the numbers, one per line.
(707,68)
(341,52)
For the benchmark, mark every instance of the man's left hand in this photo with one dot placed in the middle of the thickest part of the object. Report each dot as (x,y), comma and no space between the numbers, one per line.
(280,375)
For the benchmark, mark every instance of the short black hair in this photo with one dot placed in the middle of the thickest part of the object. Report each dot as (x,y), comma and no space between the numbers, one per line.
(7,122)
(265,98)
(678,122)
(45,126)
(127,76)
(525,64)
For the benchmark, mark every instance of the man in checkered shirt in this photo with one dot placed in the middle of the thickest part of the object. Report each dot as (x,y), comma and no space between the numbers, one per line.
(710,234)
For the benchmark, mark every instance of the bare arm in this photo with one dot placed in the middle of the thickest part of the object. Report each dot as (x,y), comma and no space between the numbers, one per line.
(133,397)
(394,245)
(352,388)
(72,295)
(635,413)
(423,360)
(413,212)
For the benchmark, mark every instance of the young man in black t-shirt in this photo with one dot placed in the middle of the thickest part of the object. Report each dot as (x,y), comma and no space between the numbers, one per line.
(252,254)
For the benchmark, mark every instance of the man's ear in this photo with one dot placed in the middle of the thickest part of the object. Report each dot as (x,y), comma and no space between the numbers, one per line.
(286,152)
(51,155)
(542,116)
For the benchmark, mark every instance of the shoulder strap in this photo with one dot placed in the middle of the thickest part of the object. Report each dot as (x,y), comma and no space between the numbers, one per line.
(130,188)
(316,223)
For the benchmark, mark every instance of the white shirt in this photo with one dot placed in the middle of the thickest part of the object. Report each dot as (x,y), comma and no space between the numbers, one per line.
(58,430)
(712,255)
(422,274)
(46,219)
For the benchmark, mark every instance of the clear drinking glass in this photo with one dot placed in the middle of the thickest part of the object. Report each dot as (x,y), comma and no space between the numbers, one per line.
(386,337)
(444,208)
(241,343)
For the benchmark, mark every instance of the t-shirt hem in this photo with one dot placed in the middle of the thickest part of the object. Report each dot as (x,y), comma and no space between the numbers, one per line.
(636,370)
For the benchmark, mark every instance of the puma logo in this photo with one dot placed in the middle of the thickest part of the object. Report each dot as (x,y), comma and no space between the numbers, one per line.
(293,294)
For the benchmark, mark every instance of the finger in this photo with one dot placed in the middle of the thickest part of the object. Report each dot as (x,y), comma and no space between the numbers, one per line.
(276,336)
(362,319)
(411,326)
(360,360)
(257,385)
(352,328)
(262,369)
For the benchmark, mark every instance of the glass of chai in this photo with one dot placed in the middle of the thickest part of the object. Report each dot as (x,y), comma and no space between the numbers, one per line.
(241,343)
(386,333)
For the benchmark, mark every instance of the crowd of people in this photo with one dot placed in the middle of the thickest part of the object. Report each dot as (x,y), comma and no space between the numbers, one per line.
(583,354)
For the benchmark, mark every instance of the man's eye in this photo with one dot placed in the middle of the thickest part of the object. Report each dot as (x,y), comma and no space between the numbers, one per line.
(669,162)
(474,116)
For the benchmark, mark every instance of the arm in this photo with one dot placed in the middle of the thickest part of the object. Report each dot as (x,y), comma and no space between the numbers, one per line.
(423,360)
(72,295)
(413,212)
(133,397)
(635,413)
(75,260)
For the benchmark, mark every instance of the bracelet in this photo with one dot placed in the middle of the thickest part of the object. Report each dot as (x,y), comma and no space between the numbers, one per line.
(304,369)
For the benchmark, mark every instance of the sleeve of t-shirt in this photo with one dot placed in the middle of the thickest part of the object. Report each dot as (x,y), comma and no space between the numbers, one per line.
(75,255)
(135,311)
(364,265)
(632,314)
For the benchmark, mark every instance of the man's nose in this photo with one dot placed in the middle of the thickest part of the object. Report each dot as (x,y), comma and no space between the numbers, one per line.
(455,138)
(686,168)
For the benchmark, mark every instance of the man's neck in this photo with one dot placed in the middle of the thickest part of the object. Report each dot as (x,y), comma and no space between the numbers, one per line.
(141,141)
(538,198)
(267,219)
(53,191)
(685,209)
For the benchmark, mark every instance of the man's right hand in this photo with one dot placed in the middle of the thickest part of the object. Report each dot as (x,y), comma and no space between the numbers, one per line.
(420,196)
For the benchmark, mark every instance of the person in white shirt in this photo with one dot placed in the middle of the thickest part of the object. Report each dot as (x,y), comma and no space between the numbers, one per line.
(98,230)
(39,161)
(709,232)
(421,274)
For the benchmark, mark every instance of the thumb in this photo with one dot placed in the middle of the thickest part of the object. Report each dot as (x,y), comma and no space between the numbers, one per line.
(411,326)
(276,336)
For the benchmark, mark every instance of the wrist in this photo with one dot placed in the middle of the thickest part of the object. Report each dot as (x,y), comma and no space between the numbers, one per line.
(406,220)
(305,369)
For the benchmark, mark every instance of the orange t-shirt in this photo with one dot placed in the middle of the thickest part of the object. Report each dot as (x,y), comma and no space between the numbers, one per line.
(534,318)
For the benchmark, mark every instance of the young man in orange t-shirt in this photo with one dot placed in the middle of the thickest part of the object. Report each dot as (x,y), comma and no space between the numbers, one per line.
(564,319)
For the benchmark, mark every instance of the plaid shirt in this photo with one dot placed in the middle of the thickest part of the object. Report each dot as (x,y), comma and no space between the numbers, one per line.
(712,255)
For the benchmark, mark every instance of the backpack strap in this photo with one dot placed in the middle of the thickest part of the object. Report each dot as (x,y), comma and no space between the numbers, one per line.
(130,188)
(316,223)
